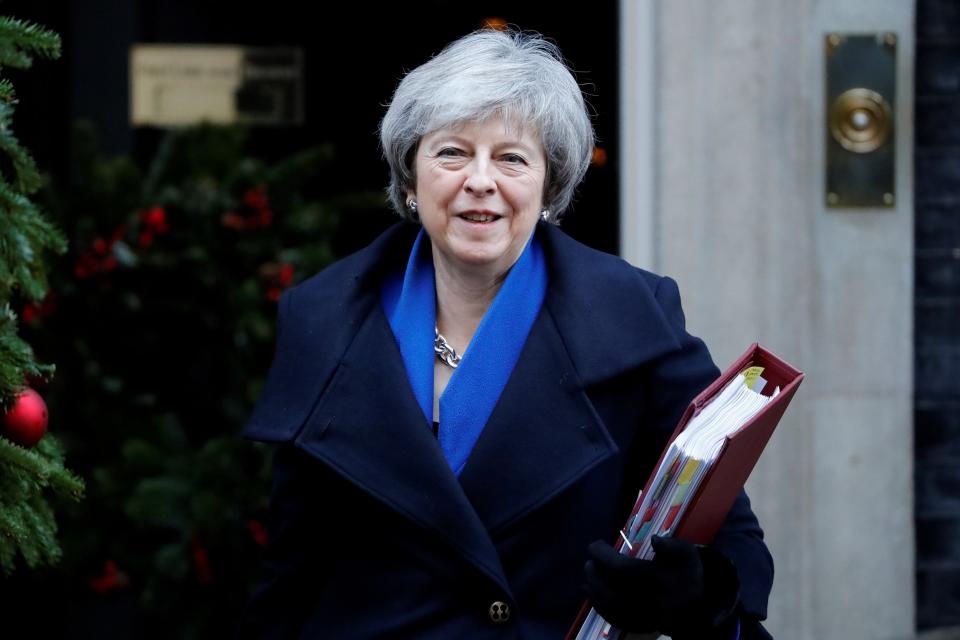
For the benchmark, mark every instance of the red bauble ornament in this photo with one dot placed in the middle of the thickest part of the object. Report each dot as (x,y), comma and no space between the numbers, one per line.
(26,422)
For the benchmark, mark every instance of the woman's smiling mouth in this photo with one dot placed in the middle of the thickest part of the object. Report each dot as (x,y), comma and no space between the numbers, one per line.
(479,216)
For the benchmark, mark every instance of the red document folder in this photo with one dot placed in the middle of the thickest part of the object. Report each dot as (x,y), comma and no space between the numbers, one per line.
(739,454)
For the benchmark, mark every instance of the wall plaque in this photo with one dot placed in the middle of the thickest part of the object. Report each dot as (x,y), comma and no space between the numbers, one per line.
(178,85)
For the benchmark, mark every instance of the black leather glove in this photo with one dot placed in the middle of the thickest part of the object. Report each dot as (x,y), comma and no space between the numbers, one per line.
(685,591)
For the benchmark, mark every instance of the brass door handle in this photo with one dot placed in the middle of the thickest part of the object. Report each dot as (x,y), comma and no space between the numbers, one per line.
(860,120)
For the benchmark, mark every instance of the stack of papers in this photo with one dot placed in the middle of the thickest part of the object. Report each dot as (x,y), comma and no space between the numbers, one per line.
(685,464)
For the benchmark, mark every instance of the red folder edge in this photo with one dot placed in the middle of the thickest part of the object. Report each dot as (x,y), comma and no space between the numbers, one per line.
(737,458)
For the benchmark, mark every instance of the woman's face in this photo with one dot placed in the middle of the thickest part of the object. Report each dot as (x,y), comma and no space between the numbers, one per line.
(479,193)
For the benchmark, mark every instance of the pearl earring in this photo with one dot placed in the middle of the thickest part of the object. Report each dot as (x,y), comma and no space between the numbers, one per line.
(545,215)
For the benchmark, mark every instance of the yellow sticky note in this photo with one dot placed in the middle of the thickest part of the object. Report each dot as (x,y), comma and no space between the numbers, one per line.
(688,470)
(751,374)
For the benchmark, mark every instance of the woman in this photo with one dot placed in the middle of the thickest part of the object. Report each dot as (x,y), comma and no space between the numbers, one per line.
(551,374)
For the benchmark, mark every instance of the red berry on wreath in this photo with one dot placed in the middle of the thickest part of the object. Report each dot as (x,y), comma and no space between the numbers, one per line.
(155,218)
(26,421)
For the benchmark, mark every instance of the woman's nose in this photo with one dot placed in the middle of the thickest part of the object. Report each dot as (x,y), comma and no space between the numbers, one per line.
(479,182)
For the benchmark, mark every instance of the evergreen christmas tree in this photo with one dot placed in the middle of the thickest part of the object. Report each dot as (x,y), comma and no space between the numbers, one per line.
(31,461)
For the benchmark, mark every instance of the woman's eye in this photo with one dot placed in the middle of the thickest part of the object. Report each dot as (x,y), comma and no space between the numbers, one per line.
(449,152)
(513,158)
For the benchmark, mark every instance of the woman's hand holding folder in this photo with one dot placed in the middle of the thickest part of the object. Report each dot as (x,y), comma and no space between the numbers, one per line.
(686,591)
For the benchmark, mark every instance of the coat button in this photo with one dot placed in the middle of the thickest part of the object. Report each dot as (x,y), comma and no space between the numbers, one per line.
(499,611)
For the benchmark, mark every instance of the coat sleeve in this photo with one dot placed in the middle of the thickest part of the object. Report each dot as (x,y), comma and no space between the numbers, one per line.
(678,378)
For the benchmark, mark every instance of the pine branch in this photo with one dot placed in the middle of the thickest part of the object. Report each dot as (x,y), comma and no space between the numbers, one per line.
(7,92)
(27,521)
(27,526)
(44,472)
(21,40)
(49,448)
(43,526)
(26,177)
(39,231)
(13,57)
(10,200)
(16,358)
(24,234)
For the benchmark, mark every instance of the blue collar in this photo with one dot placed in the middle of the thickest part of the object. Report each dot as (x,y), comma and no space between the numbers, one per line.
(472,393)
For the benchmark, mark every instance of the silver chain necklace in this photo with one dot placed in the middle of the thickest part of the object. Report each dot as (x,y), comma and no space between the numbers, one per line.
(443,350)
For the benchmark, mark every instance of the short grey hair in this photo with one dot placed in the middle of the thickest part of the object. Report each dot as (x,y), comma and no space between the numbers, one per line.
(518,76)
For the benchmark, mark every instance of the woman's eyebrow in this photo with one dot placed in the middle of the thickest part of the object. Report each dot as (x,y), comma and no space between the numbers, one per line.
(512,142)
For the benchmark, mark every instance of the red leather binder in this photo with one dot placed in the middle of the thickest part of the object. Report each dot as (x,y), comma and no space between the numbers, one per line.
(739,454)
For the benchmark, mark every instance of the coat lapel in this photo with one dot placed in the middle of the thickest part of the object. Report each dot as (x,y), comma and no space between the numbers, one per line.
(600,318)
(369,428)
(543,435)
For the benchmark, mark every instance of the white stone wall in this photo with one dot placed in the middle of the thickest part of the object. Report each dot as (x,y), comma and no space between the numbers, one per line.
(723,138)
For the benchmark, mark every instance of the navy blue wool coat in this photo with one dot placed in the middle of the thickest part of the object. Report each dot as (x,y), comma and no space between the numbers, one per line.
(372,535)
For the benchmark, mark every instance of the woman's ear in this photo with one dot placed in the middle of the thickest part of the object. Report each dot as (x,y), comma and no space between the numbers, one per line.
(411,205)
